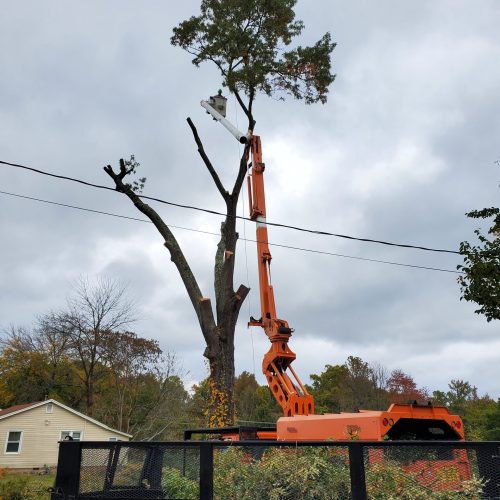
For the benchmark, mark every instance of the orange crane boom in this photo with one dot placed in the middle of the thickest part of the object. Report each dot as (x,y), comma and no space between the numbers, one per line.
(284,383)
(399,422)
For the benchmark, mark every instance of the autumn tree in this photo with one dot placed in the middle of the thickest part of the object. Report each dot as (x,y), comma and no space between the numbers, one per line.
(253,402)
(34,366)
(402,388)
(94,313)
(129,359)
(246,41)
(360,391)
(480,282)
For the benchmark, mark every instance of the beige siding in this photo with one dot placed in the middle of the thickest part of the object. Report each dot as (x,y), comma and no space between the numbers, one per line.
(41,432)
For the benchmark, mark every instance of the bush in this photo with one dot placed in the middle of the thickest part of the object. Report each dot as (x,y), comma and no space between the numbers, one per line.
(316,473)
(306,473)
(177,486)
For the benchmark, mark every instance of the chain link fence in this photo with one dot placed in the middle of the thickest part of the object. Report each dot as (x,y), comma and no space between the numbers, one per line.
(260,470)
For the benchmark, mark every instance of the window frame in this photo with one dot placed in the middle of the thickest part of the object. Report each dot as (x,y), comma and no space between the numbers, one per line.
(49,408)
(70,433)
(20,442)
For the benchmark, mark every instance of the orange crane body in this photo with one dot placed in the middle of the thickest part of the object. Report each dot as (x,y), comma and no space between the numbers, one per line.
(299,421)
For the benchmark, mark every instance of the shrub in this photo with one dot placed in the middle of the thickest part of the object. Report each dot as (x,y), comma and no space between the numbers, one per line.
(176,485)
(279,474)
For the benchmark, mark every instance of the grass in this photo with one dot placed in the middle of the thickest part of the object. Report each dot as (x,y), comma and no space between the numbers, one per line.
(17,486)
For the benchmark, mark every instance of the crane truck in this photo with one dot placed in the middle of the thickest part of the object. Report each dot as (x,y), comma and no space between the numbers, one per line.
(299,421)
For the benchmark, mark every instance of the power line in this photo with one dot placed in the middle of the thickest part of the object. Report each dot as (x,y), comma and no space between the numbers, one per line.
(289,247)
(214,212)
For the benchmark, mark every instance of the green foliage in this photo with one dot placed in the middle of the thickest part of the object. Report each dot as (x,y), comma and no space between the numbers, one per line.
(29,373)
(328,388)
(245,40)
(135,389)
(481,280)
(492,423)
(323,473)
(131,166)
(306,473)
(24,486)
(245,388)
(462,399)
(266,408)
(254,403)
(175,485)
(349,387)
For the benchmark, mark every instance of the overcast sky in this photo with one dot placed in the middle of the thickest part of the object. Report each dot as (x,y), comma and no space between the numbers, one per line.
(406,144)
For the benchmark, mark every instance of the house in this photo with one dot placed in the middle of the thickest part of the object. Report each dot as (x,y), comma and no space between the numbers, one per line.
(29,433)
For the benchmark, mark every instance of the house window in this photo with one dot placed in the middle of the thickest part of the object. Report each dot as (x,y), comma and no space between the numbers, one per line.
(49,408)
(71,435)
(113,439)
(13,443)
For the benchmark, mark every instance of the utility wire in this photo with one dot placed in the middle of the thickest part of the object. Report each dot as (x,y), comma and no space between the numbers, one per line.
(214,212)
(290,247)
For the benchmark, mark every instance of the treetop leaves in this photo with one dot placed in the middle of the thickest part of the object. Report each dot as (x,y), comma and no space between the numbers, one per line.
(245,39)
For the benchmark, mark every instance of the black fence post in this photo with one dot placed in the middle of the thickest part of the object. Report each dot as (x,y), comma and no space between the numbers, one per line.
(68,471)
(153,467)
(357,469)
(206,471)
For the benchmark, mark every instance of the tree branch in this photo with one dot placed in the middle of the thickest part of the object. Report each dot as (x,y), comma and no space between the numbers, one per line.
(241,103)
(205,317)
(242,172)
(207,162)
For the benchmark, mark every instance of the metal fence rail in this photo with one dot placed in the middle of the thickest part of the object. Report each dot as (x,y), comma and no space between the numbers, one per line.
(259,470)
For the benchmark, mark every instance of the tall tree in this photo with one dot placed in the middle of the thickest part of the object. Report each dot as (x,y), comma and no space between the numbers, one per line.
(160,403)
(95,312)
(361,391)
(480,282)
(328,389)
(244,39)
(129,359)
(245,399)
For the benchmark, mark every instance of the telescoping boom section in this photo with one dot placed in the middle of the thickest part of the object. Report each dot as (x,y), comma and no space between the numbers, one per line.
(284,383)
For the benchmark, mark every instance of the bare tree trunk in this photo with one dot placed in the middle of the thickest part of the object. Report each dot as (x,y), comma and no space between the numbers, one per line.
(218,331)
(89,397)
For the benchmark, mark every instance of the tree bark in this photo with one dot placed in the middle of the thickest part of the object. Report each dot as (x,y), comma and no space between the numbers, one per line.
(218,331)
